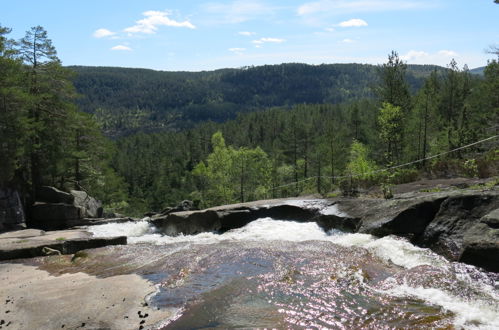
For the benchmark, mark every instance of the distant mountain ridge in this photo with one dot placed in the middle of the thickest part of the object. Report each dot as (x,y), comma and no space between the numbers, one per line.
(127,100)
(479,71)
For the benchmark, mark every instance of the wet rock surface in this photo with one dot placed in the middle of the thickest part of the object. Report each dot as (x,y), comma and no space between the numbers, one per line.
(317,281)
(33,243)
(461,225)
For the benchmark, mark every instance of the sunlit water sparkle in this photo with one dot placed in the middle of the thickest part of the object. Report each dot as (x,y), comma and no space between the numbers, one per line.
(274,273)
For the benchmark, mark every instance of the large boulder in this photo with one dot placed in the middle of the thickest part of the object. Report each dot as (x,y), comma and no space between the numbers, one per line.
(11,210)
(405,216)
(49,194)
(53,216)
(481,243)
(465,221)
(91,208)
(56,209)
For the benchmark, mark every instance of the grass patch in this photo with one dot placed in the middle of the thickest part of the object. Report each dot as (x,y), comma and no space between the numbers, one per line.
(487,185)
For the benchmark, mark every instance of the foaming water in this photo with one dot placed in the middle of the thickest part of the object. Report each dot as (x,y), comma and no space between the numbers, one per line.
(131,229)
(476,314)
(415,283)
(390,248)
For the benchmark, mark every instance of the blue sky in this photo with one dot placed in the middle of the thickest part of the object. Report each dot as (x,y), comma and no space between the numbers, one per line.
(212,34)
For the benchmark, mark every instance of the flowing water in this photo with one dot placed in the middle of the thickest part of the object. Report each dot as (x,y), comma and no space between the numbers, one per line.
(284,274)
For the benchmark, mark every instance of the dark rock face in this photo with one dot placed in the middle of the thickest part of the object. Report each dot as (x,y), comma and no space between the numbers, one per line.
(194,222)
(49,194)
(11,210)
(464,225)
(57,209)
(53,216)
(188,223)
(412,221)
(346,224)
(75,245)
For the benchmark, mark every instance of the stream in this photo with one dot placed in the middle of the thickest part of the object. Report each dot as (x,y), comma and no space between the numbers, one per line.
(285,274)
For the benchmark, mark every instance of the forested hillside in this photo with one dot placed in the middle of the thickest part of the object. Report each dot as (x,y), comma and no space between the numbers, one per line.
(129,100)
(312,148)
(236,135)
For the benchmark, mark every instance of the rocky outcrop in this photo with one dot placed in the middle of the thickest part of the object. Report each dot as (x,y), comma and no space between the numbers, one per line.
(90,207)
(49,194)
(458,224)
(222,219)
(466,229)
(11,210)
(56,209)
(33,243)
(53,216)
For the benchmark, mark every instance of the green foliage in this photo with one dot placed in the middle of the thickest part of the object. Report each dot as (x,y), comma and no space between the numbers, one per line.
(471,167)
(231,173)
(13,118)
(390,121)
(393,88)
(127,101)
(44,139)
(359,165)
(386,189)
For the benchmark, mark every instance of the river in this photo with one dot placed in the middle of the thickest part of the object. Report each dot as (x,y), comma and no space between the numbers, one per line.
(285,274)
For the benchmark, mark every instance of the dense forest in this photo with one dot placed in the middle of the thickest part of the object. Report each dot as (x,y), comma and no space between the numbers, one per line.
(310,148)
(236,134)
(127,100)
(44,139)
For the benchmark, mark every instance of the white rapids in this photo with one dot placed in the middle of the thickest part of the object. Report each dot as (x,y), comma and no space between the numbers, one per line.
(391,249)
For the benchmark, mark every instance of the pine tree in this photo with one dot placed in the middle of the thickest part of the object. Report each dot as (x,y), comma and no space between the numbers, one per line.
(394,88)
(390,122)
(13,117)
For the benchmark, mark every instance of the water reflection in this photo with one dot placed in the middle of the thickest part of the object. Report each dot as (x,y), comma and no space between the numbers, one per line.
(272,274)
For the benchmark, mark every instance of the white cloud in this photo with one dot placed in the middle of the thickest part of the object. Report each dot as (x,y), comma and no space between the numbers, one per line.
(121,47)
(348,41)
(258,43)
(102,33)
(238,11)
(346,6)
(414,55)
(153,20)
(354,22)
(441,57)
(238,51)
(247,33)
(448,53)
(330,29)
(277,40)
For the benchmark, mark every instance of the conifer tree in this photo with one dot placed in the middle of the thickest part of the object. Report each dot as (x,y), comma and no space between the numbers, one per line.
(393,88)
(13,123)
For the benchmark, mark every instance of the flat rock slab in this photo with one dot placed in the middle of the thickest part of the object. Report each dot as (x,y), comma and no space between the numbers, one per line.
(33,299)
(31,243)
